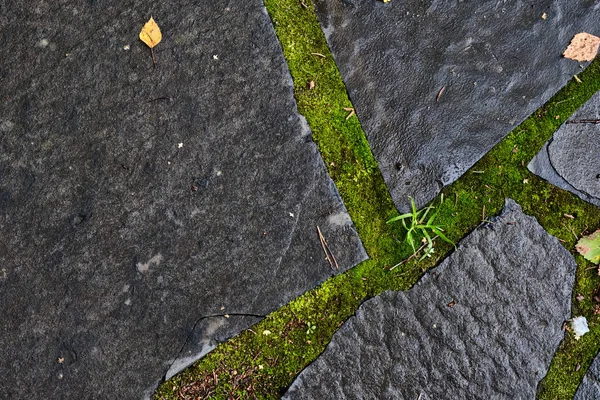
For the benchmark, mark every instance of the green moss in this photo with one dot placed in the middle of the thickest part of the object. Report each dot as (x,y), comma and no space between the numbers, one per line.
(257,365)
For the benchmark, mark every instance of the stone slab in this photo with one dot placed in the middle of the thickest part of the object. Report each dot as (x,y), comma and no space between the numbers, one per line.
(141,206)
(436,84)
(570,158)
(590,386)
(484,324)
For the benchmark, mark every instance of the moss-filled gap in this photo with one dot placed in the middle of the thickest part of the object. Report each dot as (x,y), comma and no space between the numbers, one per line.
(256,364)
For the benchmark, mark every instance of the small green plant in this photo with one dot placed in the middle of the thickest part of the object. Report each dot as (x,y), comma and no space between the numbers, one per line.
(417,224)
(311,328)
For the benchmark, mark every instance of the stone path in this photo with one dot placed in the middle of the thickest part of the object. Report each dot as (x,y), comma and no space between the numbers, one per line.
(484,324)
(437,84)
(147,214)
(570,159)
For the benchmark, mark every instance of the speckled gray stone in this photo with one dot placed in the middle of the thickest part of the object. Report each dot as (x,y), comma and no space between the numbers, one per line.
(570,159)
(140,205)
(483,325)
(496,62)
(590,386)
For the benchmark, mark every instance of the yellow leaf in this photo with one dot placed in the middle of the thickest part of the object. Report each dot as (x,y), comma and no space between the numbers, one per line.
(150,33)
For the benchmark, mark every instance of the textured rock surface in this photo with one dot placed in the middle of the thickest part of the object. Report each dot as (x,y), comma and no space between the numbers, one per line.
(590,386)
(496,61)
(484,324)
(140,205)
(570,159)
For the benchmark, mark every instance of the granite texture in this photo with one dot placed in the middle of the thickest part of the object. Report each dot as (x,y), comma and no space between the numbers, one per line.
(570,158)
(590,386)
(148,213)
(436,84)
(484,324)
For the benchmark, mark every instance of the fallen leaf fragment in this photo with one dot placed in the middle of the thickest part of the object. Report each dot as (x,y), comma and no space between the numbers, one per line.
(151,35)
(311,85)
(579,326)
(579,297)
(583,47)
(544,16)
(589,247)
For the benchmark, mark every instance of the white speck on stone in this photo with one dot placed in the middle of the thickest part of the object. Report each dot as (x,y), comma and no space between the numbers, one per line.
(128,302)
(169,162)
(6,126)
(579,326)
(144,267)
(43,43)
(340,219)
(292,215)
(126,288)
(60,375)
(126,47)
(179,145)
(219,173)
(215,57)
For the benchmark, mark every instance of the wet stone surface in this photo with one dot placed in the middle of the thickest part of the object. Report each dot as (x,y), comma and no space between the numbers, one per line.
(436,84)
(570,159)
(484,324)
(139,206)
(590,386)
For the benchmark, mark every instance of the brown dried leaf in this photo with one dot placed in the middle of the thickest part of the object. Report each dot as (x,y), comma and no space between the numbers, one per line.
(583,47)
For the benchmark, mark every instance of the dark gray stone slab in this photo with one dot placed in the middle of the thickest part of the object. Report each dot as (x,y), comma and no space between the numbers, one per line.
(498,61)
(590,386)
(570,159)
(484,324)
(139,206)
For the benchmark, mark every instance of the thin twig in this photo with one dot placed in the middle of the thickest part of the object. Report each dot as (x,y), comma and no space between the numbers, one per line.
(328,253)
(351,112)
(152,52)
(159,98)
(437,98)
(413,255)
(483,213)
(318,55)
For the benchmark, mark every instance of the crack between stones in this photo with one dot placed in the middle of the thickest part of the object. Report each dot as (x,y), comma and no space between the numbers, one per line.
(187,339)
(562,177)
